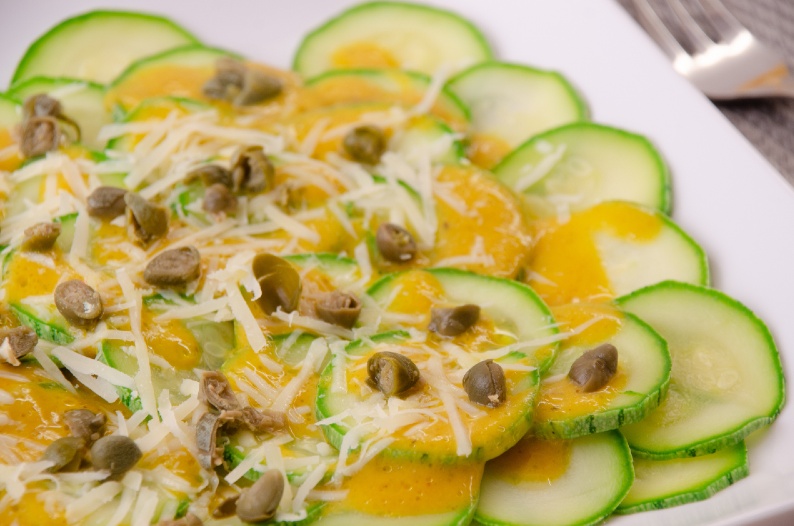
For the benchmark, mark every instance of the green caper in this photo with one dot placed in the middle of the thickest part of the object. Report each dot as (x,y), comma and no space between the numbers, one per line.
(175,267)
(228,80)
(257,87)
(78,303)
(260,501)
(66,453)
(392,373)
(365,144)
(208,428)
(115,453)
(22,341)
(147,221)
(39,136)
(106,202)
(210,174)
(595,368)
(216,390)
(339,308)
(455,320)
(279,281)
(85,424)
(41,236)
(218,198)
(263,420)
(485,384)
(252,171)
(42,105)
(395,243)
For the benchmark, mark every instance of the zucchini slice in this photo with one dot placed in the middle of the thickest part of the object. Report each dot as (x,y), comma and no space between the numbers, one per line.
(379,495)
(98,45)
(610,250)
(727,378)
(564,411)
(556,483)
(510,103)
(83,102)
(392,35)
(10,116)
(179,72)
(346,86)
(584,164)
(666,483)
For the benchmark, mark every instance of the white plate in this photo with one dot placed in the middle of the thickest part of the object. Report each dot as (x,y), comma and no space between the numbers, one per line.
(725,194)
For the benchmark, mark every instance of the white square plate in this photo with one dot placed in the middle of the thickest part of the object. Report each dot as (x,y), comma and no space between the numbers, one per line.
(725,194)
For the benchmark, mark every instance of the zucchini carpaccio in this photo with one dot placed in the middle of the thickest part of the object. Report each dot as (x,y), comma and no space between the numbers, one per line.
(403,283)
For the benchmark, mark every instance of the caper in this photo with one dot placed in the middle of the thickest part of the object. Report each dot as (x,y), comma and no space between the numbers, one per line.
(228,80)
(187,520)
(106,202)
(22,340)
(257,87)
(39,136)
(454,320)
(395,243)
(210,174)
(339,308)
(42,105)
(260,501)
(279,281)
(392,373)
(174,267)
(227,508)
(263,420)
(85,424)
(147,221)
(595,368)
(115,453)
(41,236)
(485,384)
(66,454)
(218,198)
(207,430)
(252,171)
(365,144)
(217,391)
(78,303)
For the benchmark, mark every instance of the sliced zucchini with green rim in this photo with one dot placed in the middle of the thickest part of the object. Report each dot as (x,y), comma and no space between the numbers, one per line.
(667,483)
(10,112)
(727,379)
(98,45)
(45,330)
(65,238)
(639,385)
(392,35)
(83,102)
(510,103)
(610,250)
(150,76)
(558,483)
(585,163)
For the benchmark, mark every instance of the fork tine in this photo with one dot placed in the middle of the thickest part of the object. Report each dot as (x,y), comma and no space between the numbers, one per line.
(726,25)
(654,25)
(698,38)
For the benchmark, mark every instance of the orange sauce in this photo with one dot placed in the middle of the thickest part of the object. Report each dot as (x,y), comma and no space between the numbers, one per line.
(170,340)
(395,487)
(532,460)
(567,259)
(364,55)
(486,150)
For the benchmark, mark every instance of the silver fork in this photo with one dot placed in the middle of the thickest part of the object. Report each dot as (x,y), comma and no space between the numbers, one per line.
(735,66)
